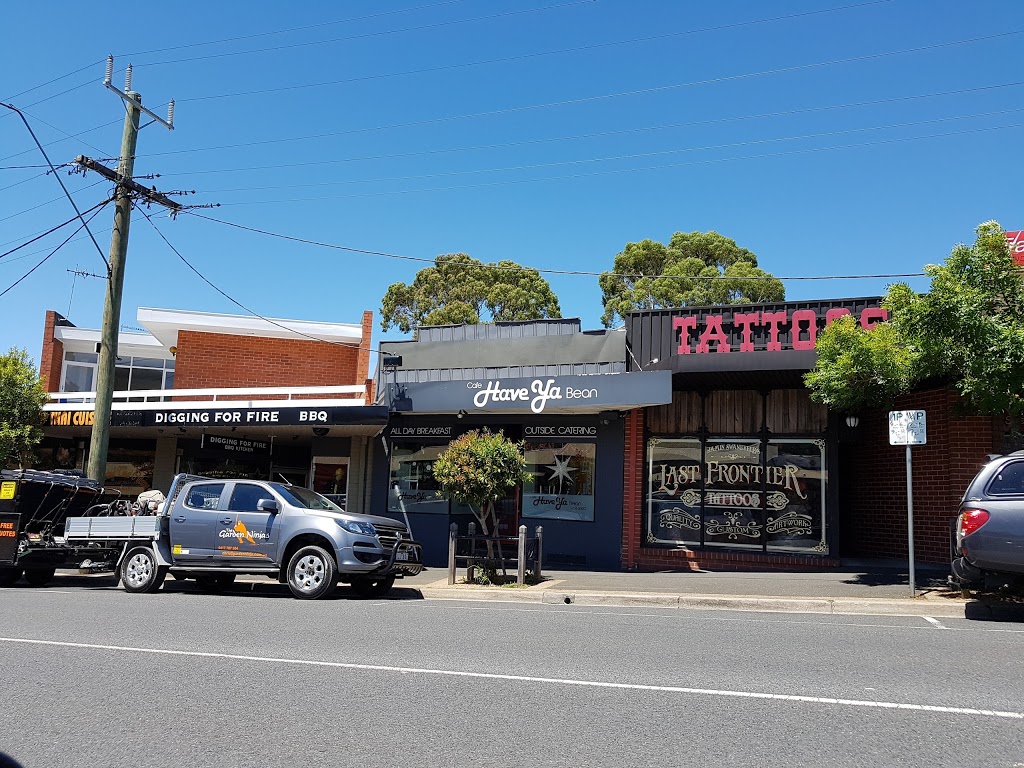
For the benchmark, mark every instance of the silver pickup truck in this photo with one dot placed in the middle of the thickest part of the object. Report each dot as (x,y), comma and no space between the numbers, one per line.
(211,530)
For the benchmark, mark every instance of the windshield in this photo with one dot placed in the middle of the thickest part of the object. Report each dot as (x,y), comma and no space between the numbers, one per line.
(305,498)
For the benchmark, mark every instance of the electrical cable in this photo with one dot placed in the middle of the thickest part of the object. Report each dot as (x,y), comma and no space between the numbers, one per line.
(51,201)
(70,136)
(365,35)
(51,230)
(599,97)
(59,180)
(598,134)
(84,225)
(239,304)
(660,167)
(521,268)
(30,254)
(613,158)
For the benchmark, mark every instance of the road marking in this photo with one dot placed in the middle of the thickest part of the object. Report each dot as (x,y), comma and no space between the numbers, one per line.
(530,679)
(934,622)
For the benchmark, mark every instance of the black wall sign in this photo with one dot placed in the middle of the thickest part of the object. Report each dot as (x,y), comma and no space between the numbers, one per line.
(241,445)
(540,395)
(284,416)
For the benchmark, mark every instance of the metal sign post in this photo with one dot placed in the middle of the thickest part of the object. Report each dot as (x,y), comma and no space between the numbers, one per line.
(909,428)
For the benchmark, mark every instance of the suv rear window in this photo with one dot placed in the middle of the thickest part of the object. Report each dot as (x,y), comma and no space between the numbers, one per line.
(206,496)
(1008,481)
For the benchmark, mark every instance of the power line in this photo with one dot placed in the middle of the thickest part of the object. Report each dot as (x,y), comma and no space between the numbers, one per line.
(51,201)
(57,176)
(600,134)
(29,254)
(365,35)
(70,136)
(291,29)
(613,158)
(600,97)
(239,304)
(520,268)
(51,230)
(540,54)
(84,225)
(661,167)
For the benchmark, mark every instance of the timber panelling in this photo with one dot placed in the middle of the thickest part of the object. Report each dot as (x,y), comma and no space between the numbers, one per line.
(791,411)
(734,411)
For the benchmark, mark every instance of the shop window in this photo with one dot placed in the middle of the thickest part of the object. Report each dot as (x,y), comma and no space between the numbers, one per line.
(795,498)
(412,470)
(562,487)
(737,493)
(79,378)
(330,478)
(674,492)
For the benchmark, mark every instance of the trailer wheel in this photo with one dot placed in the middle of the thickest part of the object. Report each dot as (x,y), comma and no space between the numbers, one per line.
(9,576)
(39,577)
(312,574)
(140,571)
(373,587)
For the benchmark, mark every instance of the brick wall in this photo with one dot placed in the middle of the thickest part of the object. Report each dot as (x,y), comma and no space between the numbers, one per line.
(874,520)
(222,360)
(51,360)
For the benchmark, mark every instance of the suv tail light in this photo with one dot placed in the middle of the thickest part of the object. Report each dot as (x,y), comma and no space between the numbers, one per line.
(970,521)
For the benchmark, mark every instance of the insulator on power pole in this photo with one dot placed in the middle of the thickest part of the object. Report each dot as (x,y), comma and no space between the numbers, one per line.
(170,113)
(110,70)
(128,79)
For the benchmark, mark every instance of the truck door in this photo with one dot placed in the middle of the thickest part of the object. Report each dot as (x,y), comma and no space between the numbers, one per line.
(247,534)
(193,523)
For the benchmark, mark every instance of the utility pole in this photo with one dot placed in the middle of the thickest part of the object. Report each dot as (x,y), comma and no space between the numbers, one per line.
(126,188)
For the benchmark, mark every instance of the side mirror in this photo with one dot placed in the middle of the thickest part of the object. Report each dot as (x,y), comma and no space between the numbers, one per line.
(268,505)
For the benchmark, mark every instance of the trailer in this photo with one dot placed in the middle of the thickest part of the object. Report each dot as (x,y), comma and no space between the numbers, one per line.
(34,507)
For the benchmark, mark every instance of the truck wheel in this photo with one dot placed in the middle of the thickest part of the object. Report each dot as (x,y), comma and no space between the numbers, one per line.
(312,573)
(39,577)
(9,576)
(140,571)
(373,587)
(214,581)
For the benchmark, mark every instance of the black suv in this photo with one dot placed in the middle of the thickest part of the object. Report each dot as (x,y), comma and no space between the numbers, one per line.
(988,546)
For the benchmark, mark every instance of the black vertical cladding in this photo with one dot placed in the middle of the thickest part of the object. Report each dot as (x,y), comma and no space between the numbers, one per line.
(593,545)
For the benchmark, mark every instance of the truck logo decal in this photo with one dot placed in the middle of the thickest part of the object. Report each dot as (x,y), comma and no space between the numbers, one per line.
(242,533)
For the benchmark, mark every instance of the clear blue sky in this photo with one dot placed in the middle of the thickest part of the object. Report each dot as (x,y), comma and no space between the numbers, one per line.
(554,161)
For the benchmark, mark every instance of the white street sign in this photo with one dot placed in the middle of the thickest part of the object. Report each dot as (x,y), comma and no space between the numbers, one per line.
(907,428)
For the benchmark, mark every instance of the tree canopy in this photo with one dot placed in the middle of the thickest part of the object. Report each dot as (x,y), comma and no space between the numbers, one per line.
(968,330)
(694,269)
(21,401)
(461,289)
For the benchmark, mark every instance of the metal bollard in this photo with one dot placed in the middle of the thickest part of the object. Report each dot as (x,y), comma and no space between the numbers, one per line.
(521,558)
(540,550)
(452,533)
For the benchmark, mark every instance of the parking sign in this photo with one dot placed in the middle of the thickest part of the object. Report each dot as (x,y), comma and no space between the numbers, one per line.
(907,428)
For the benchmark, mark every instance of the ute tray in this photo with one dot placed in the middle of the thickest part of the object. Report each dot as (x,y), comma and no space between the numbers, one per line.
(111,528)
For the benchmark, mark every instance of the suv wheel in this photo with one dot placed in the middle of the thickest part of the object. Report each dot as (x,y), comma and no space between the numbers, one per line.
(140,571)
(373,587)
(311,573)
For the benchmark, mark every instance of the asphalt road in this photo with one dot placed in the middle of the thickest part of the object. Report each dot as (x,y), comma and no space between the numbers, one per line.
(92,676)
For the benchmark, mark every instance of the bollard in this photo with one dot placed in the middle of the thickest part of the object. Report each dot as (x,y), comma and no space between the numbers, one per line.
(452,532)
(521,558)
(540,550)
(472,541)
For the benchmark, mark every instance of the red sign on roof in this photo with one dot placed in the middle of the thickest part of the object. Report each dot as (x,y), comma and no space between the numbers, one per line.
(1016,242)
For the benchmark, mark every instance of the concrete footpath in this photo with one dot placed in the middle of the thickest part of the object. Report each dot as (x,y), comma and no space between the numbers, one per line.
(869,590)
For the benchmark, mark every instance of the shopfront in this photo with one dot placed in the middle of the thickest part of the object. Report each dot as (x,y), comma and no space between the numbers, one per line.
(742,467)
(571,428)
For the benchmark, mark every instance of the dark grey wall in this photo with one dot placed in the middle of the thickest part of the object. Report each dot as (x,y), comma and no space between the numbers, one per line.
(593,545)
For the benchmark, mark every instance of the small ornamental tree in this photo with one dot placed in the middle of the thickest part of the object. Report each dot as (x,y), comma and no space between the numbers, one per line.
(21,407)
(478,469)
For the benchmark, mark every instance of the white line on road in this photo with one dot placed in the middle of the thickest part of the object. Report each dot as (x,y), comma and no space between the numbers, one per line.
(934,622)
(530,679)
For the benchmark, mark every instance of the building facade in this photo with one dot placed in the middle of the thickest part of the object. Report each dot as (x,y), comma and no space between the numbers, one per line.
(219,395)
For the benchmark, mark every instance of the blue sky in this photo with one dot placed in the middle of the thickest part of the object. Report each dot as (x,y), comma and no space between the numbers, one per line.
(550,132)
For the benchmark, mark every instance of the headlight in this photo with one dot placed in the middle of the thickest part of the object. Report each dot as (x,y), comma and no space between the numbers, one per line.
(354,527)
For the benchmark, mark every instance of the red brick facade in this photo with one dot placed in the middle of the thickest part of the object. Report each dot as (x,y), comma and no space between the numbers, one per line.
(874,502)
(872,519)
(52,358)
(223,360)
